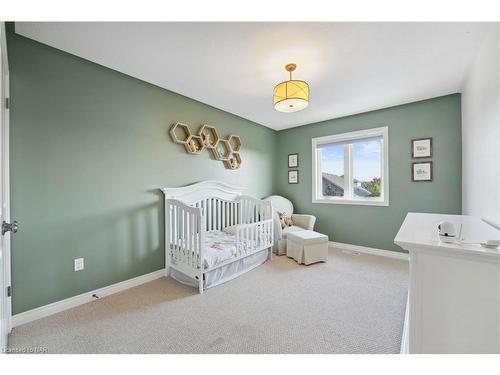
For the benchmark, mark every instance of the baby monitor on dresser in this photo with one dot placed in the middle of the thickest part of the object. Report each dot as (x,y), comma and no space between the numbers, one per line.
(447,232)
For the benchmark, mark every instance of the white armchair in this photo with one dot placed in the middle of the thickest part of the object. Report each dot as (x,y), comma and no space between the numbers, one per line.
(300,222)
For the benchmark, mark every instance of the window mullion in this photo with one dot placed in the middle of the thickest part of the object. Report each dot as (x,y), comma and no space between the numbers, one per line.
(382,169)
(347,171)
(319,174)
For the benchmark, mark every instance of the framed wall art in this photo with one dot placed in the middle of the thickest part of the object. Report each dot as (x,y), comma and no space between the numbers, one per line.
(421,148)
(293,177)
(293,160)
(421,171)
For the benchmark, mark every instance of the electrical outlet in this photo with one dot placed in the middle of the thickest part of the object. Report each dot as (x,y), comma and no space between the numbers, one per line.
(79,264)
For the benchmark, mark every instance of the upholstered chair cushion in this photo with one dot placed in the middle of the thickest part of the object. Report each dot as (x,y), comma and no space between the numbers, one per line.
(300,222)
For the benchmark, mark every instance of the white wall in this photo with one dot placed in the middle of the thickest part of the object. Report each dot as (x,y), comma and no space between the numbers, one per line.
(481,132)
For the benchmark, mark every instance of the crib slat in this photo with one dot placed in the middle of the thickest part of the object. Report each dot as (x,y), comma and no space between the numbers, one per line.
(244,212)
(195,237)
(190,238)
(174,229)
(214,214)
(242,206)
(186,250)
(252,235)
(170,236)
(223,215)
(183,233)
(186,236)
(218,213)
(177,232)
(209,214)
(205,218)
(198,241)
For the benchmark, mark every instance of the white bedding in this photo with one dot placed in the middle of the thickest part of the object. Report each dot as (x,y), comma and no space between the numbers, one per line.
(218,247)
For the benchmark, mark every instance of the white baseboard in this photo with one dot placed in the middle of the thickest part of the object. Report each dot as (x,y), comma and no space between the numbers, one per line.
(368,250)
(68,303)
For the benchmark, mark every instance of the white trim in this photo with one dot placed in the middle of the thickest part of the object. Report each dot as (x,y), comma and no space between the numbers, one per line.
(68,303)
(346,137)
(369,250)
(4,169)
(405,339)
(360,201)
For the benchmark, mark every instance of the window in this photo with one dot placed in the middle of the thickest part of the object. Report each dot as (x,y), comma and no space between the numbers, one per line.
(351,168)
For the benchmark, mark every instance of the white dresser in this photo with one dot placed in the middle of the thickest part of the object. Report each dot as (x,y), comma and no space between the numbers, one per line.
(454,293)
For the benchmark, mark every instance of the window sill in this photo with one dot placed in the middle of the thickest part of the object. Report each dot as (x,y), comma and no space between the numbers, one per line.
(358,202)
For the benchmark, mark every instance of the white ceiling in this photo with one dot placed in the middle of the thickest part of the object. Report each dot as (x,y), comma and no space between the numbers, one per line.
(351,67)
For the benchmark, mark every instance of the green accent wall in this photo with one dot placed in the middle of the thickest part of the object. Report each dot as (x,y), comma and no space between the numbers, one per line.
(89,150)
(375,226)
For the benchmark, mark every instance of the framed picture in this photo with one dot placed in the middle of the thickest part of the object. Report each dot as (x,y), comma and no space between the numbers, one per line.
(421,148)
(293,177)
(421,171)
(293,160)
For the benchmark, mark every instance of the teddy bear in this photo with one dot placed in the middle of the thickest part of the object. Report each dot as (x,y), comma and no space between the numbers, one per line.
(285,220)
(193,146)
(234,162)
(207,142)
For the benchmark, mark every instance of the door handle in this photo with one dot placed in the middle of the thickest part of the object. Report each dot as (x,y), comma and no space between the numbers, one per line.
(9,227)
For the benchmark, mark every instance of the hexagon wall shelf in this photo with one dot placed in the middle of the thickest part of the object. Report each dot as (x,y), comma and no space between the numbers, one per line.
(194,144)
(207,137)
(234,142)
(180,133)
(222,150)
(234,161)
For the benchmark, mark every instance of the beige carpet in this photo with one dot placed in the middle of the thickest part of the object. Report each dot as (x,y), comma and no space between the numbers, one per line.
(351,304)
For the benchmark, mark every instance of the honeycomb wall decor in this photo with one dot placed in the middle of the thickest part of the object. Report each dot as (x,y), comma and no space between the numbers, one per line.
(207,137)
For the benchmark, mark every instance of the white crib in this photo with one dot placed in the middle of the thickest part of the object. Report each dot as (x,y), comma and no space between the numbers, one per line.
(199,251)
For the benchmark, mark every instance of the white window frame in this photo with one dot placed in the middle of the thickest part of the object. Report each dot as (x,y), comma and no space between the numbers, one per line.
(348,198)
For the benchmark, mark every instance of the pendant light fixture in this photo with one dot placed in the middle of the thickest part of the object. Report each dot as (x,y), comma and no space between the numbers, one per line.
(291,95)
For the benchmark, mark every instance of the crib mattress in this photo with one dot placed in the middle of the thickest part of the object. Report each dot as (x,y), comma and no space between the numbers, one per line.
(219,247)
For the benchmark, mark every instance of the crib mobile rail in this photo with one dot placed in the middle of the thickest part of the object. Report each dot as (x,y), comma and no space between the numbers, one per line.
(185,226)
